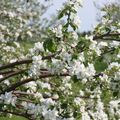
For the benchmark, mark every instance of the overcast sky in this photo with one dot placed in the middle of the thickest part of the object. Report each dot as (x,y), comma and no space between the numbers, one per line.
(87,13)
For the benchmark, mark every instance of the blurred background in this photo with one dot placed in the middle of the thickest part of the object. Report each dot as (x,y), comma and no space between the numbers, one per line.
(88,14)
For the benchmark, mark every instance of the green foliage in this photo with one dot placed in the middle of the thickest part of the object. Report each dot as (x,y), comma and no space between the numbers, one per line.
(100,65)
(50,45)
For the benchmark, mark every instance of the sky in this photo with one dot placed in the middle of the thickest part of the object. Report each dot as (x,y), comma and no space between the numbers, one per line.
(88,13)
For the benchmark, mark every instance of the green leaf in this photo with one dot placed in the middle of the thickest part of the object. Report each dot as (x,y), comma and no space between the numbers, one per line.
(50,45)
(64,105)
(100,65)
(62,13)
(73,26)
(74,78)
(115,94)
(75,56)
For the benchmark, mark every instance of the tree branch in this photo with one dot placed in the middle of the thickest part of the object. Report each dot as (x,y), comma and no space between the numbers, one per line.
(107,35)
(12,74)
(11,65)
(14,86)
(27,61)
(6,72)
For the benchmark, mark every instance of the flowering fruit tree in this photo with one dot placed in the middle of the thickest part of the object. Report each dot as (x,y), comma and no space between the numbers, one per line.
(64,76)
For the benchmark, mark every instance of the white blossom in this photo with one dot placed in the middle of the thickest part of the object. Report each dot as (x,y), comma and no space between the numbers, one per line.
(85,116)
(100,113)
(44,85)
(37,64)
(81,71)
(104,78)
(13,60)
(51,114)
(66,56)
(114,65)
(75,4)
(114,108)
(38,95)
(93,46)
(8,98)
(1,76)
(58,31)
(78,101)
(118,55)
(81,57)
(39,46)
(7,82)
(102,44)
(29,33)
(115,44)
(74,36)
(11,14)
(3,27)
(76,21)
(31,85)
(48,102)
(57,66)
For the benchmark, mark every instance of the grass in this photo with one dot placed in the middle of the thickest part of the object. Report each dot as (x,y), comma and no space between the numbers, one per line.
(13,118)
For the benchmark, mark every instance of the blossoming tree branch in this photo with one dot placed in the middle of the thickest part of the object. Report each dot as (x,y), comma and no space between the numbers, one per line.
(65,75)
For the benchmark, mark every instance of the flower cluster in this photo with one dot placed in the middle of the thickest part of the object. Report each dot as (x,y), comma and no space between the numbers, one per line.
(8,98)
(58,31)
(74,4)
(81,71)
(114,108)
(38,64)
